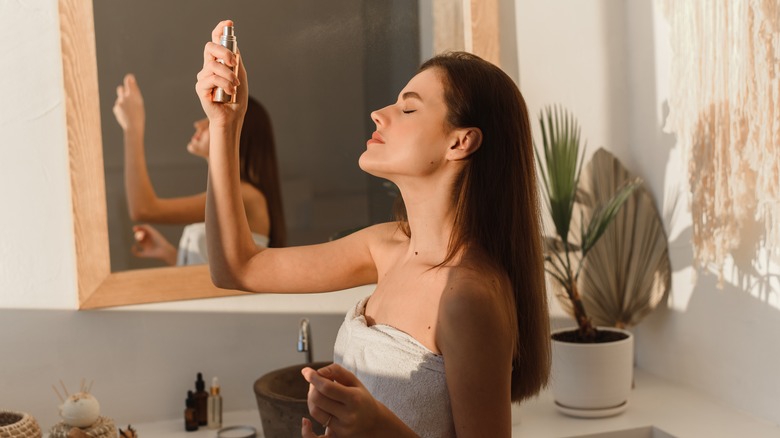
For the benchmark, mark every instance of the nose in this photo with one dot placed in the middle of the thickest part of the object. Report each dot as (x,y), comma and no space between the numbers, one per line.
(378,117)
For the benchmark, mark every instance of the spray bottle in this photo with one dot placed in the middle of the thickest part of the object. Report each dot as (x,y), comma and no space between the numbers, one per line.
(228,40)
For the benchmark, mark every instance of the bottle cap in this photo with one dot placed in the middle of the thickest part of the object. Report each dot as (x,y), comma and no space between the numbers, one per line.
(190,401)
(214,386)
(200,385)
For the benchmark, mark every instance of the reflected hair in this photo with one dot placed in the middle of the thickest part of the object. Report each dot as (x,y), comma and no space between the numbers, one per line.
(496,202)
(259,167)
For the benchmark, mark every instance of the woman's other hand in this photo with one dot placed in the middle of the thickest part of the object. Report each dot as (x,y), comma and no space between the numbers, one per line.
(339,401)
(218,75)
(129,105)
(150,244)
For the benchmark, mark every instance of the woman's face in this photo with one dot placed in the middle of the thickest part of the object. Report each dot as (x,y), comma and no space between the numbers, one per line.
(412,135)
(199,143)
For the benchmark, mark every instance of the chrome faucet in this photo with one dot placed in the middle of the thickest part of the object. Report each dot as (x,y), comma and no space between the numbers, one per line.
(304,339)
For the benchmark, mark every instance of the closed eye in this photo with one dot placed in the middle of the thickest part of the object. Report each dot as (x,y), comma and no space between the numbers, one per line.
(408,111)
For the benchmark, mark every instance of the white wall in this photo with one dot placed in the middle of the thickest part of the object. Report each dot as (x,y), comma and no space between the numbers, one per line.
(722,341)
(570,53)
(37,261)
(608,62)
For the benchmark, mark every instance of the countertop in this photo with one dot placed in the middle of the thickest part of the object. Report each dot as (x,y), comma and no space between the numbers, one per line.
(337,302)
(679,411)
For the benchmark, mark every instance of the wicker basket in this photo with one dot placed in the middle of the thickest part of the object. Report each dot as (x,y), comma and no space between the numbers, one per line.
(103,428)
(18,425)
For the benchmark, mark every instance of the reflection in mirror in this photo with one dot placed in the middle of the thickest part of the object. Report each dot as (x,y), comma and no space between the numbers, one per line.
(318,68)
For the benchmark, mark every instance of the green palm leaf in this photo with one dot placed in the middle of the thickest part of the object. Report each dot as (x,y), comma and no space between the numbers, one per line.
(562,165)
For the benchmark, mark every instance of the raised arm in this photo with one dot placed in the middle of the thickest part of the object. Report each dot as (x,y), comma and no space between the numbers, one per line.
(234,260)
(142,200)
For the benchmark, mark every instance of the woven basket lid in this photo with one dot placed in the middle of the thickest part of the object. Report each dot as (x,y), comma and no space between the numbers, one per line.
(18,425)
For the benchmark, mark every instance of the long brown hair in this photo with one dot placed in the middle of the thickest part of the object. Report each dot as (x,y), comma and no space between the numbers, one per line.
(496,202)
(257,161)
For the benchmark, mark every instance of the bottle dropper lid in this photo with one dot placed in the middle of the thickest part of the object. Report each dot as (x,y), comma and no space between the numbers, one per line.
(214,386)
(190,401)
(200,385)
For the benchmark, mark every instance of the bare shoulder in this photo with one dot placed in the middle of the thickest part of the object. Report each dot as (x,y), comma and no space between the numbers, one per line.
(256,208)
(476,303)
(383,241)
(383,235)
(470,290)
(251,195)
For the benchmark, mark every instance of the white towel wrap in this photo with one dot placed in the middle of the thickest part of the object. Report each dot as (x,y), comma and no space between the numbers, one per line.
(398,371)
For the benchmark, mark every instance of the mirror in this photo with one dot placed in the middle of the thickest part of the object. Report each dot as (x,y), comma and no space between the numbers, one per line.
(318,68)
(97,285)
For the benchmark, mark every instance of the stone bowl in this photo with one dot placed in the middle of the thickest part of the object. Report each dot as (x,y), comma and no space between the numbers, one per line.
(281,400)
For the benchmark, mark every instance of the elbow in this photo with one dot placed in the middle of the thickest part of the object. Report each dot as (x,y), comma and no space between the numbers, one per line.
(224,281)
(146,209)
(231,272)
(138,214)
(226,278)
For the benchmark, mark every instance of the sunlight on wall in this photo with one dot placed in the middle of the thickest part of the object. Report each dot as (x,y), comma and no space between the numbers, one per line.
(724,97)
(747,261)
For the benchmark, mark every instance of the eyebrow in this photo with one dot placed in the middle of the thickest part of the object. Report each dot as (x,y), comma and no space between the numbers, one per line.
(411,95)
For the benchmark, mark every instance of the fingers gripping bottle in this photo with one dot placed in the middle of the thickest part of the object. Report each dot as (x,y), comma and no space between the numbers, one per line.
(228,39)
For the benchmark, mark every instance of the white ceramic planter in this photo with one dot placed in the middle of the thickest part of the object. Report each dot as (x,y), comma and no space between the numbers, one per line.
(592,380)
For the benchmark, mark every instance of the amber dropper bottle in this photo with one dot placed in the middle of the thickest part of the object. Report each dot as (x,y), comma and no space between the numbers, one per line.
(190,416)
(201,401)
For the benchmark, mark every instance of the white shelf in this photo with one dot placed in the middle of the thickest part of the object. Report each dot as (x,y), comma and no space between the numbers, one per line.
(175,428)
(677,410)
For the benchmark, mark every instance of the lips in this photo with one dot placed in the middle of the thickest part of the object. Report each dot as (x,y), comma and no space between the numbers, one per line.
(376,138)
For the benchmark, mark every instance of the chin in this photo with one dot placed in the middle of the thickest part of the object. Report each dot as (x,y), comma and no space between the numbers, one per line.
(371,167)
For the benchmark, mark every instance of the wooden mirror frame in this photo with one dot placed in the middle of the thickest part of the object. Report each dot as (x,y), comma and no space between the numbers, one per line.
(97,286)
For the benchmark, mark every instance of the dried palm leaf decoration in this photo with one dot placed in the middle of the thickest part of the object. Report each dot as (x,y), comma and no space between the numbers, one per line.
(628,271)
(724,106)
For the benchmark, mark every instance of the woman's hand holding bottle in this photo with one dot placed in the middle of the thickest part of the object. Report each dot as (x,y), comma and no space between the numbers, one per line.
(214,75)
(151,244)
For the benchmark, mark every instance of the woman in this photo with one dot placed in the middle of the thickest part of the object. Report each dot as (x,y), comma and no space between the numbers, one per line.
(457,327)
(260,188)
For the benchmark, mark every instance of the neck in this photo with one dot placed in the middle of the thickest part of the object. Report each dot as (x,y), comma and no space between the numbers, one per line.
(430,214)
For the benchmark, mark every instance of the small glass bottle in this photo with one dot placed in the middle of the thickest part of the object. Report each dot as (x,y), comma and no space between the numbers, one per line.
(190,417)
(215,405)
(201,401)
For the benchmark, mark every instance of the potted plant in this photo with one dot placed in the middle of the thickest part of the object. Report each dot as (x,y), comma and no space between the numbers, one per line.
(592,366)
(628,272)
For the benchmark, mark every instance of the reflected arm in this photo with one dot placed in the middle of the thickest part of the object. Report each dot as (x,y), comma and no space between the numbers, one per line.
(142,201)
